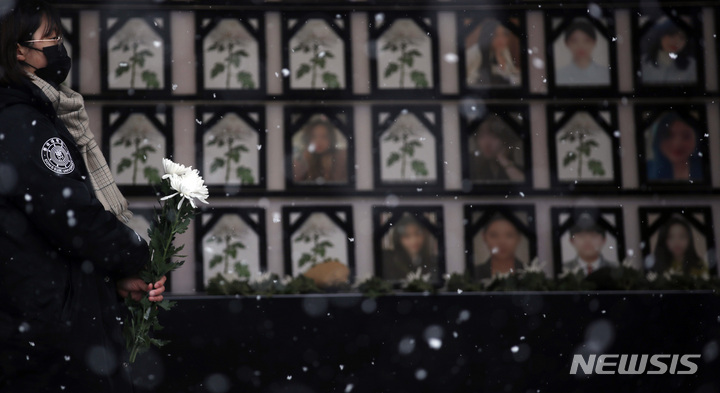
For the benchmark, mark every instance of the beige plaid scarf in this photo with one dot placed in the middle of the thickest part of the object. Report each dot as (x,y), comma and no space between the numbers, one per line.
(70,108)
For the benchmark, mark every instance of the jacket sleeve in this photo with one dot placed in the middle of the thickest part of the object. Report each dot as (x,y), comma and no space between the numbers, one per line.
(61,206)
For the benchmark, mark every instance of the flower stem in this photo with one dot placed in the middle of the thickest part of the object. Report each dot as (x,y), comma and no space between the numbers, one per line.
(314,65)
(134,62)
(229,65)
(403,163)
(135,160)
(403,50)
(228,161)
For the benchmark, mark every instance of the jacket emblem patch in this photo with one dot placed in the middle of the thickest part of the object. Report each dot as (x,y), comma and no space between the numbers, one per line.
(56,156)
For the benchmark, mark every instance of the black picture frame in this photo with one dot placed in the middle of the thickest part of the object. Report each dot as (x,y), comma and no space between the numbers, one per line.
(254,117)
(418,213)
(468,22)
(253,23)
(291,225)
(517,118)
(603,22)
(426,22)
(600,216)
(385,117)
(474,225)
(690,214)
(603,116)
(341,118)
(647,117)
(687,19)
(162,30)
(339,24)
(70,20)
(253,218)
(161,118)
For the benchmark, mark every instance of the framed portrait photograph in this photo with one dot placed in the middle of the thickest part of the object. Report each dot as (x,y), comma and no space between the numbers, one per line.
(319,148)
(673,147)
(135,53)
(408,239)
(678,240)
(231,54)
(581,54)
(317,54)
(403,51)
(135,141)
(70,20)
(230,242)
(668,50)
(584,143)
(500,239)
(319,242)
(231,148)
(587,239)
(492,53)
(407,147)
(496,148)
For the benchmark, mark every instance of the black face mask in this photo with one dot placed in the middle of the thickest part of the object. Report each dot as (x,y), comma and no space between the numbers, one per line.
(58,64)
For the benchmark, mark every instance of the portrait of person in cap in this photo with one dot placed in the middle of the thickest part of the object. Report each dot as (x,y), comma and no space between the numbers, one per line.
(588,238)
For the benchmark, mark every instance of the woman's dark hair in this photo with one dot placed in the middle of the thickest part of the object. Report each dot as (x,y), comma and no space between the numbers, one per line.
(307,135)
(495,126)
(661,167)
(582,25)
(487,34)
(18,26)
(653,44)
(400,228)
(663,256)
(315,161)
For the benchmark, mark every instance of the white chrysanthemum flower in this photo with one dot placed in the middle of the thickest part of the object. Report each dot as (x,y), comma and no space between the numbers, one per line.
(416,275)
(174,169)
(628,263)
(318,224)
(260,278)
(406,123)
(230,31)
(136,31)
(535,266)
(230,225)
(405,31)
(189,186)
(651,276)
(670,273)
(316,32)
(230,127)
(137,126)
(582,124)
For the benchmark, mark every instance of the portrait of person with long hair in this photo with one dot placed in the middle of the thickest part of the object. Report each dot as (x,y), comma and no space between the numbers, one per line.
(675,250)
(407,247)
(496,153)
(580,51)
(502,240)
(492,56)
(674,151)
(668,55)
(320,155)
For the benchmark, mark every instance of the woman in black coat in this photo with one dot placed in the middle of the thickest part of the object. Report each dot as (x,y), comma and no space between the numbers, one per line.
(65,262)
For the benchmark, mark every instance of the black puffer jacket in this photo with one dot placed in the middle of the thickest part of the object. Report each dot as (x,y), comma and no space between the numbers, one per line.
(60,254)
